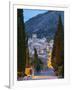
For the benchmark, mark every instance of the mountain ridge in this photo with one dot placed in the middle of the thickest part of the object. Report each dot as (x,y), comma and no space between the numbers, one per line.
(44,25)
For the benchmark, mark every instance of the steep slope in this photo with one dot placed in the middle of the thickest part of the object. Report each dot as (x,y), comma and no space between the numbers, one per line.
(44,25)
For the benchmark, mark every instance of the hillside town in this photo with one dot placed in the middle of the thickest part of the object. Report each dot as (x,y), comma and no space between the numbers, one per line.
(41,45)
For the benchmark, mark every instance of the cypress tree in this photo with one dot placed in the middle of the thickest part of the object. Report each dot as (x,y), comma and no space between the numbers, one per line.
(21,43)
(27,54)
(38,64)
(58,50)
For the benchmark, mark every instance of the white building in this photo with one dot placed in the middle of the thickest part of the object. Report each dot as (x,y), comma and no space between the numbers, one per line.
(41,45)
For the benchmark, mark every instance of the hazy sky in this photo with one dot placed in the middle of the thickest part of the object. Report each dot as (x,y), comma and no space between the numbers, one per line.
(29,13)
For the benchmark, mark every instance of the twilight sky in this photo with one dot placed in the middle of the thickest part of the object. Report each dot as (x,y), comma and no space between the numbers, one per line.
(29,13)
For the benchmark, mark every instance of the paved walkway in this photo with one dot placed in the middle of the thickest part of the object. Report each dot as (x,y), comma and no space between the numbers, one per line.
(44,77)
(47,74)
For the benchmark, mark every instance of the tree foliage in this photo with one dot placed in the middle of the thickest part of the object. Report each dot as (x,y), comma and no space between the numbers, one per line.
(58,50)
(21,43)
(38,64)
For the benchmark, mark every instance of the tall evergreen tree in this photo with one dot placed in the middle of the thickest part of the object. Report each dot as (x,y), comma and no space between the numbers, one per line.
(21,43)
(38,64)
(58,50)
(27,54)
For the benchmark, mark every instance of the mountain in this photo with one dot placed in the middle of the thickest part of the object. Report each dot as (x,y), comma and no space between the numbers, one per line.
(44,25)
